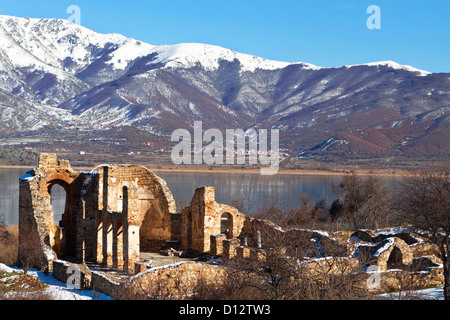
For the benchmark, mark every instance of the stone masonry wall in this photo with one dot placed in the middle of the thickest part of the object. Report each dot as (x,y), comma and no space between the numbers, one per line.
(203,218)
(93,226)
(151,203)
(177,280)
(36,213)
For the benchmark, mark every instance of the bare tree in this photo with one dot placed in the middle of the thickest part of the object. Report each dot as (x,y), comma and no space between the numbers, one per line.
(30,254)
(365,202)
(308,215)
(273,212)
(423,202)
(281,270)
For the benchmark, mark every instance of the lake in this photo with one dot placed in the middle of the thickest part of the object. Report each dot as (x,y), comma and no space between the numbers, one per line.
(253,190)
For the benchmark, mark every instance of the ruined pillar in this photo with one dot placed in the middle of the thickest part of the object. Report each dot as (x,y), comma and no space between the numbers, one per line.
(105,217)
(229,248)
(216,244)
(242,252)
(258,240)
(81,233)
(125,252)
(130,250)
(114,241)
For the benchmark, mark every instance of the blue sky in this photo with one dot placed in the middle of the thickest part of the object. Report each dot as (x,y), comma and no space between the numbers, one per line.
(327,33)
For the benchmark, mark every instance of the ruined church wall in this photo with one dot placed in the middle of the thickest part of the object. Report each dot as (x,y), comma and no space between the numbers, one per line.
(80,233)
(36,216)
(202,219)
(151,204)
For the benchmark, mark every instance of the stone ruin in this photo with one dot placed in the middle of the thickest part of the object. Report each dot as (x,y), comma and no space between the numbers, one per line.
(112,214)
(115,212)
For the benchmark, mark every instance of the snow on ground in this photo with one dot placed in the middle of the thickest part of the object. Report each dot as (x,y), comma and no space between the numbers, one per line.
(57,289)
(60,291)
(424,294)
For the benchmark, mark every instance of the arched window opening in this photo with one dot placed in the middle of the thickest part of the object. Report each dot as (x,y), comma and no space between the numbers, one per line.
(58,199)
(62,239)
(226,225)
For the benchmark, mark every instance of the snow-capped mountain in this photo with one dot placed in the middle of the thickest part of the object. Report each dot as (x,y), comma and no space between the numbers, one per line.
(54,72)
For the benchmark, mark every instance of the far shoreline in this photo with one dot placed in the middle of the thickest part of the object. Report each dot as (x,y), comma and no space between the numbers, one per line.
(281,171)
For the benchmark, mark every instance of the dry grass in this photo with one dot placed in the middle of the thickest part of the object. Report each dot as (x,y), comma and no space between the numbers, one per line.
(9,244)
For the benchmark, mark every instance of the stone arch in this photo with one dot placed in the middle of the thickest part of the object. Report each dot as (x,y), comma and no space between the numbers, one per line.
(58,197)
(63,184)
(60,237)
(395,259)
(36,212)
(63,240)
(226,225)
(392,252)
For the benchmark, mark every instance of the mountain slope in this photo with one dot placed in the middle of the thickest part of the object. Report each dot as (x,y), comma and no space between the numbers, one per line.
(54,72)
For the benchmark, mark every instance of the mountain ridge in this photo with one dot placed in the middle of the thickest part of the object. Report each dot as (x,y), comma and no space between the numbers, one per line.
(54,72)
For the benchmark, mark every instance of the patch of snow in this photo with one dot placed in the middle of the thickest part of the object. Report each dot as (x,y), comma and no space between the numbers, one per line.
(106,278)
(6,268)
(396,123)
(388,231)
(57,289)
(387,245)
(49,253)
(209,56)
(393,65)
(175,264)
(130,50)
(423,294)
(27,177)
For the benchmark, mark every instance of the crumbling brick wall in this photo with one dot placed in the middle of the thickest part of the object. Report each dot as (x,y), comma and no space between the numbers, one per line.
(204,217)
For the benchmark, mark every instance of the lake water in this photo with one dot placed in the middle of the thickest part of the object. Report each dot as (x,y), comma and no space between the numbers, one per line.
(254,190)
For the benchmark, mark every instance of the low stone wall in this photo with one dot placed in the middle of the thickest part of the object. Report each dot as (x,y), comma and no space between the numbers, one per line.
(101,283)
(62,271)
(332,266)
(400,280)
(175,281)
